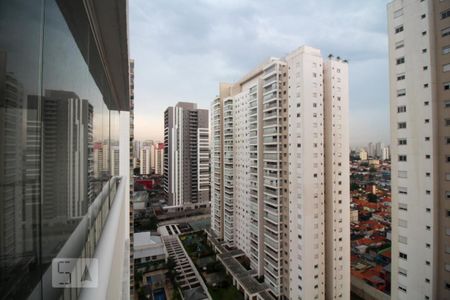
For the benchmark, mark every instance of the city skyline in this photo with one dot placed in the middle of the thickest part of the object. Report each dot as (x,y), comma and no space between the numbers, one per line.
(196,48)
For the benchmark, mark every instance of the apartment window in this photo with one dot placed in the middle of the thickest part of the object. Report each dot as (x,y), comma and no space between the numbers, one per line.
(401,92)
(402,223)
(447,176)
(401,125)
(401,109)
(446,68)
(402,190)
(402,271)
(399,44)
(426,103)
(399,29)
(447,86)
(425,68)
(445,14)
(401,77)
(402,141)
(402,239)
(398,13)
(446,49)
(400,60)
(447,157)
(447,122)
(448,213)
(403,255)
(424,50)
(447,194)
(402,287)
(403,206)
(424,32)
(445,32)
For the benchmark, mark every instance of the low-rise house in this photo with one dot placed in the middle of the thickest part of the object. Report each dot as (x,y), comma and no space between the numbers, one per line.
(148,249)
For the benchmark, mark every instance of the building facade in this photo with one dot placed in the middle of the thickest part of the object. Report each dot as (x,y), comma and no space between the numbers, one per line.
(64,95)
(146,158)
(186,155)
(419,65)
(158,158)
(280,173)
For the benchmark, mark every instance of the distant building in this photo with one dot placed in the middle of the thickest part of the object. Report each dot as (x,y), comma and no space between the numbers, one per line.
(354,216)
(136,163)
(145,158)
(136,149)
(280,175)
(158,158)
(371,150)
(186,155)
(148,248)
(115,160)
(386,155)
(379,149)
(363,154)
(371,188)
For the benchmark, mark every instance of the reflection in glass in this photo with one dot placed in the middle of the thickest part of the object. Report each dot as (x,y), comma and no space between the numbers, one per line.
(59,142)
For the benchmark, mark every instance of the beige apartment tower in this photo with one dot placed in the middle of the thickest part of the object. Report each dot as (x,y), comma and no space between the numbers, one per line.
(280,173)
(419,60)
(186,156)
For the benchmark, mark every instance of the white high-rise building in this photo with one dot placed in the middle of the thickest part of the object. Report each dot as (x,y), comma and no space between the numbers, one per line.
(158,158)
(386,154)
(115,160)
(419,61)
(186,156)
(371,150)
(280,173)
(145,158)
(379,149)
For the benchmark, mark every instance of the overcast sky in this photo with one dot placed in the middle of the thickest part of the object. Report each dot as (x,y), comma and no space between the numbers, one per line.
(183,49)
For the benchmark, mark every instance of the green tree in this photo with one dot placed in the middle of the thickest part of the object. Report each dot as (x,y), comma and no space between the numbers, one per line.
(372,197)
(354,186)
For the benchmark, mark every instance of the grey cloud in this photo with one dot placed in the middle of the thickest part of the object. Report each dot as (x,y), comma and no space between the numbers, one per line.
(183,49)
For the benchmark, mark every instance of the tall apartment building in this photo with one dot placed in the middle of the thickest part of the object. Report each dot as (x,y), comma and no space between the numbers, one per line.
(419,65)
(386,153)
(67,138)
(186,155)
(371,150)
(11,172)
(64,97)
(379,149)
(280,173)
(158,158)
(146,158)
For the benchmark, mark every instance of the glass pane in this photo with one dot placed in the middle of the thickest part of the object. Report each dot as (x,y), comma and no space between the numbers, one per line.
(20,56)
